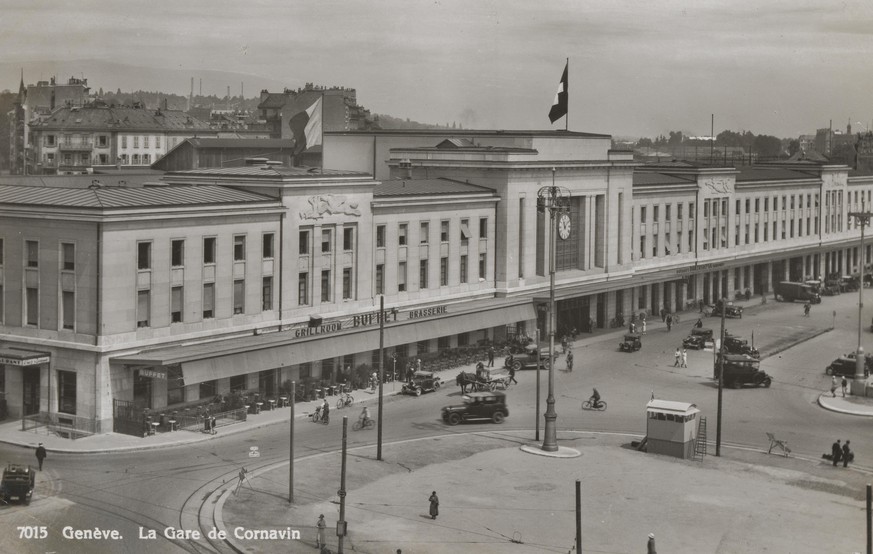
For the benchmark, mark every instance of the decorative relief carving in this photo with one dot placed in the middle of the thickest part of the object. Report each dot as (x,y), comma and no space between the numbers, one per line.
(329,204)
(721,185)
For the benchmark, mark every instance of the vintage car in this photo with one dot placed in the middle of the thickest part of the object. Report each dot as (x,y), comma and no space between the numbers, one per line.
(698,338)
(845,365)
(528,360)
(730,309)
(630,343)
(17,484)
(736,345)
(422,381)
(489,405)
(742,370)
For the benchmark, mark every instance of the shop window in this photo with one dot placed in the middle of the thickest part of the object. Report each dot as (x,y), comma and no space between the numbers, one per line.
(443,343)
(67,391)
(463,339)
(422,346)
(237,383)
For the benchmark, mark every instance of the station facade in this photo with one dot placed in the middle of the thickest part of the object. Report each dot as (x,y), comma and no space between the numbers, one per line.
(242,279)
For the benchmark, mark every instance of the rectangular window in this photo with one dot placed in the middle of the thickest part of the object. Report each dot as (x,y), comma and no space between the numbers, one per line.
(444,272)
(706,209)
(482,266)
(303,288)
(348,238)
(68,306)
(642,247)
(66,391)
(380,279)
(32,305)
(465,231)
(209,250)
(176,304)
(239,248)
(679,210)
(347,283)
(463,269)
(380,236)
(267,245)
(239,296)
(177,253)
(655,211)
(444,231)
(326,240)
(667,212)
(136,142)
(1,252)
(757,205)
(157,142)
(691,210)
(422,274)
(208,300)
(267,294)
(724,207)
(32,253)
(402,231)
(124,142)
(68,256)
(401,277)
(303,243)
(642,214)
(483,227)
(737,212)
(143,308)
(424,233)
(326,287)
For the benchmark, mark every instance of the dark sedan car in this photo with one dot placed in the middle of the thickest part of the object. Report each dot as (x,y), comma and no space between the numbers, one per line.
(845,365)
(478,406)
(730,310)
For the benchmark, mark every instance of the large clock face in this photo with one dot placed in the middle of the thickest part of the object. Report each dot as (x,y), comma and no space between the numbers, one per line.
(564,227)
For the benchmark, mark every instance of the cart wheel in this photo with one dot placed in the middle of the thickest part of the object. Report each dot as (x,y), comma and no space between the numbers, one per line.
(497,417)
(417,392)
(454,419)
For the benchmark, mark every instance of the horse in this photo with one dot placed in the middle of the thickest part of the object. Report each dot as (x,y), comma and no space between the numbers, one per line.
(467,379)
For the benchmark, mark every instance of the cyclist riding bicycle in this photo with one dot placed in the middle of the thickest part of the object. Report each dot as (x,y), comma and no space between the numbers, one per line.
(595,398)
(365,416)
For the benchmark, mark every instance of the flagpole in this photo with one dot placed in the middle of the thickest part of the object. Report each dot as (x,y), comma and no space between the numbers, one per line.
(567,118)
(322,131)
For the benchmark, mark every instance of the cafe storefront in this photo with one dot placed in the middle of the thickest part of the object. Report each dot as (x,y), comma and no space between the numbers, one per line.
(23,376)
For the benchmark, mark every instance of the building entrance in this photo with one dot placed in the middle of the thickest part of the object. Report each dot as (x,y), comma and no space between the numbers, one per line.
(30,400)
(142,391)
(573,313)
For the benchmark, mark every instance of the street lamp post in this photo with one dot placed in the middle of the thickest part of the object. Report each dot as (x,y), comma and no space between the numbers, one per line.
(557,201)
(859,382)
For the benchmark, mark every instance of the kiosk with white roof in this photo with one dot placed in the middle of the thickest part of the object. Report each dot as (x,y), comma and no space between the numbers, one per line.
(671,428)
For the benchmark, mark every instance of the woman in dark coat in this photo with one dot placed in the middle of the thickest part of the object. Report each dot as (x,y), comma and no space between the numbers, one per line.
(434,505)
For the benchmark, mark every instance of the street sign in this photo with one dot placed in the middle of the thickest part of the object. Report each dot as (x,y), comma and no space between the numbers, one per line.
(254,452)
(341,493)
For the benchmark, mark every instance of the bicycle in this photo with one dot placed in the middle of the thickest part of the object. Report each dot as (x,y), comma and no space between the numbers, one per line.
(675,319)
(361,424)
(317,417)
(589,405)
(344,401)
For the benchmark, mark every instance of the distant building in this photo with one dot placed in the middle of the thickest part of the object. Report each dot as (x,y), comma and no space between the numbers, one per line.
(201,153)
(79,139)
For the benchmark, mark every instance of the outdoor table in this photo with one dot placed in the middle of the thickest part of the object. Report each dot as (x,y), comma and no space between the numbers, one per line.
(154,429)
(258,407)
(272,402)
(172,423)
(283,401)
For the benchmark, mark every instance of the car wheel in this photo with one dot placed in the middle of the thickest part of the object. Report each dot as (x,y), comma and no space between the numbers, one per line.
(497,417)
(547,365)
(516,365)
(436,385)
(829,370)
(454,419)
(417,392)
(767,382)
(734,384)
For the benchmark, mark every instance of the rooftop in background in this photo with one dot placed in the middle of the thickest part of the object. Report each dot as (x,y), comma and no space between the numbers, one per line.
(121,119)
(470,132)
(267,172)
(122,197)
(424,187)
(113,178)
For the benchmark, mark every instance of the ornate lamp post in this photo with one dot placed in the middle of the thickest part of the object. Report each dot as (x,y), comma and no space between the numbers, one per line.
(557,201)
(859,383)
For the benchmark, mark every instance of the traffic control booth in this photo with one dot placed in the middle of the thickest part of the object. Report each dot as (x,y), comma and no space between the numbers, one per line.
(671,428)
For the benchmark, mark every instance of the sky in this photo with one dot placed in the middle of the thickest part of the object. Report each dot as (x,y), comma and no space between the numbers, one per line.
(637,67)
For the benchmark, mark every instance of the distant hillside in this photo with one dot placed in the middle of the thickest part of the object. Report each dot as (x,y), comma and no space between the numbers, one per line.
(388,122)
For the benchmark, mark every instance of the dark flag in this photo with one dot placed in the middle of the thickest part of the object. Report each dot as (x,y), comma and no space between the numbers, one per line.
(559,108)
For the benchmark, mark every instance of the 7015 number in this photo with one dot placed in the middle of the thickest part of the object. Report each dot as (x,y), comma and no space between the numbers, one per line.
(32,532)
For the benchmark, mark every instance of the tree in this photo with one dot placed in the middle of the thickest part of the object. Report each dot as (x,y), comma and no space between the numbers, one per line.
(793,147)
(767,146)
(676,138)
(645,143)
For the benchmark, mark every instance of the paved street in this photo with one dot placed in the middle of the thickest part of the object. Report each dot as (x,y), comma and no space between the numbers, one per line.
(185,484)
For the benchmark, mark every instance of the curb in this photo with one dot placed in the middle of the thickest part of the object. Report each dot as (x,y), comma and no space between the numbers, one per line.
(830,408)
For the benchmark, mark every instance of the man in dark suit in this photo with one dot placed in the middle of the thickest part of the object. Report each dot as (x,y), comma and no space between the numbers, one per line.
(836,452)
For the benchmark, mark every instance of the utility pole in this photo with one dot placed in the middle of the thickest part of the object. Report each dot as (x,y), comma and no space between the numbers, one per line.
(720,380)
(291,447)
(381,371)
(341,524)
(578,517)
(859,382)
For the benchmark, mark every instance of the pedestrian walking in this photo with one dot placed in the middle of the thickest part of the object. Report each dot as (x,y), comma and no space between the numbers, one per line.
(847,453)
(806,309)
(663,315)
(678,358)
(321,525)
(844,384)
(684,358)
(643,322)
(669,321)
(836,452)
(834,386)
(490,356)
(650,546)
(40,455)
(570,360)
(434,505)
(564,343)
(512,374)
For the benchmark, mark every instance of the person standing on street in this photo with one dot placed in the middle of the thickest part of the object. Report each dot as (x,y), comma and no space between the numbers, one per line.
(570,360)
(844,384)
(490,356)
(669,322)
(434,505)
(834,386)
(678,357)
(40,455)
(846,453)
(319,540)
(643,322)
(836,451)
(684,358)
(512,374)
(806,309)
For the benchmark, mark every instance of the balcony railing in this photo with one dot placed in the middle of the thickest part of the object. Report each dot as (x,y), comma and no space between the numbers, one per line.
(75,145)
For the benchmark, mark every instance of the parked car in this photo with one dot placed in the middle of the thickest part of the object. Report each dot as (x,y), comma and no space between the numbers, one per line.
(698,338)
(630,343)
(845,365)
(737,345)
(730,310)
(742,370)
(17,484)
(422,381)
(528,360)
(787,291)
(478,406)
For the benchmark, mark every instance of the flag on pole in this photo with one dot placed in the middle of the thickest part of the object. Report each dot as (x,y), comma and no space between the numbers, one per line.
(313,129)
(559,108)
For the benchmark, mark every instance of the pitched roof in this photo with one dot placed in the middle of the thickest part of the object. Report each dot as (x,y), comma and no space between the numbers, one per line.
(422,187)
(120,197)
(762,173)
(655,179)
(121,119)
(210,142)
(267,172)
(115,179)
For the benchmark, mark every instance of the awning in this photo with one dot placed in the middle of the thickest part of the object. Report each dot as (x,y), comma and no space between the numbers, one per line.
(19,357)
(221,359)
